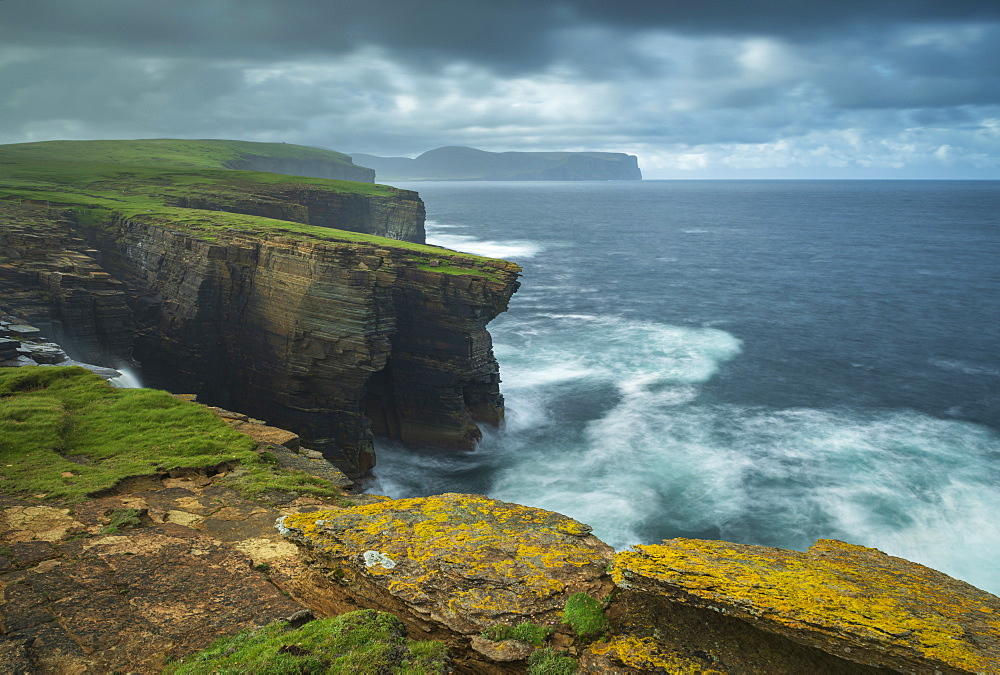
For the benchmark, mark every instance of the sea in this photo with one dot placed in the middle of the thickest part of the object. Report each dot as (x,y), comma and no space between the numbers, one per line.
(764,362)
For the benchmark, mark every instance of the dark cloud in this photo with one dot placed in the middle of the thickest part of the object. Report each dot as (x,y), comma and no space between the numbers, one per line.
(504,34)
(733,83)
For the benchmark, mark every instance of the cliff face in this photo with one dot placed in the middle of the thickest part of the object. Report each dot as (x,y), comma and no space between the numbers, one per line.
(397,216)
(52,278)
(335,340)
(458,163)
(309,302)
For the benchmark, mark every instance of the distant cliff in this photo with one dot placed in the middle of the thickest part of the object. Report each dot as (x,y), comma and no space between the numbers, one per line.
(458,163)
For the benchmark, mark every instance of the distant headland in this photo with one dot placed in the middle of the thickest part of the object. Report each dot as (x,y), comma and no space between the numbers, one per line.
(461,163)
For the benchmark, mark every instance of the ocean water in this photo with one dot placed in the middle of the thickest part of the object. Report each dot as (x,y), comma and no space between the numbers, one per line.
(766,362)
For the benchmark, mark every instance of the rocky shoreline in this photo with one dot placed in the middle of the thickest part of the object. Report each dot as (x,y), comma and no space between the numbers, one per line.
(198,560)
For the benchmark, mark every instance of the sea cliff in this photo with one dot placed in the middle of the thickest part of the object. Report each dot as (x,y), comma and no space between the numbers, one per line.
(311,303)
(136,527)
(460,163)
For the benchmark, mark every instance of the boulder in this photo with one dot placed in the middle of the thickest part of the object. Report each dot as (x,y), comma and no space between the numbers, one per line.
(465,562)
(853,602)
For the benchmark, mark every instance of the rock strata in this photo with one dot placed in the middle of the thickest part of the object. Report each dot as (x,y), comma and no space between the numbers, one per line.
(338,339)
(50,277)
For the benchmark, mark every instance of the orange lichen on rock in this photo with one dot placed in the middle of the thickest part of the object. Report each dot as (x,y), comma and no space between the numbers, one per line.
(465,560)
(848,600)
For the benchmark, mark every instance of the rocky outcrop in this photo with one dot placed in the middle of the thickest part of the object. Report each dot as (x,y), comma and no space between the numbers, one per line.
(462,562)
(337,337)
(336,340)
(850,602)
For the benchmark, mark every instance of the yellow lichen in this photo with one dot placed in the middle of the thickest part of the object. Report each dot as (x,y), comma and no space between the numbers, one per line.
(489,557)
(645,654)
(835,587)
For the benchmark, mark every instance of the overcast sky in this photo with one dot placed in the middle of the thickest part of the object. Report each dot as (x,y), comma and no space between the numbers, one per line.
(716,88)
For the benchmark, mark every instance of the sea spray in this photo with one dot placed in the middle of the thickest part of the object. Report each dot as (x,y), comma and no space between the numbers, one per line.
(128,378)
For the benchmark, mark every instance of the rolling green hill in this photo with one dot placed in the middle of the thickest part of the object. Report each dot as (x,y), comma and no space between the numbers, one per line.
(217,154)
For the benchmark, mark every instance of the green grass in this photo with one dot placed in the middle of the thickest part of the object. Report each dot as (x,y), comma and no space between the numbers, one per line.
(50,413)
(548,661)
(532,633)
(101,180)
(167,151)
(362,642)
(585,615)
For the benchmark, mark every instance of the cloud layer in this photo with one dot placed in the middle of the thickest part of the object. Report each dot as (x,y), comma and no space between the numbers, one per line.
(760,88)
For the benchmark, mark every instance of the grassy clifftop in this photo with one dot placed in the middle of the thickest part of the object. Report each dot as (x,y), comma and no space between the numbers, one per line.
(218,154)
(146,180)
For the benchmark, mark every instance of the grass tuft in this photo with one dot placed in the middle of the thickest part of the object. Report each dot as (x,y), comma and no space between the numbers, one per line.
(548,661)
(365,641)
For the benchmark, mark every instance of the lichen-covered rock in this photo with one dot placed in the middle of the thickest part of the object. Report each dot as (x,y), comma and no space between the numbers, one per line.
(504,650)
(853,602)
(463,561)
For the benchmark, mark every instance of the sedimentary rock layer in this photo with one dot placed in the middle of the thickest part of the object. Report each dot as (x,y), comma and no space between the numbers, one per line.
(397,216)
(318,336)
(53,279)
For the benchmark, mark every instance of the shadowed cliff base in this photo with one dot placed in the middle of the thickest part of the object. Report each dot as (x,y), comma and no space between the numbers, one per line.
(236,286)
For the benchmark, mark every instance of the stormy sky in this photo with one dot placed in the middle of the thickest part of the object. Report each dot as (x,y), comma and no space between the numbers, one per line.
(716,88)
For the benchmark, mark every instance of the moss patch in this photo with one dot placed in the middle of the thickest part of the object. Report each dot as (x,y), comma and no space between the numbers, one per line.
(548,661)
(532,633)
(360,642)
(585,615)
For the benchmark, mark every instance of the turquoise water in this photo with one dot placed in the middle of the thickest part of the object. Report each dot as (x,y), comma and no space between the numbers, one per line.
(766,362)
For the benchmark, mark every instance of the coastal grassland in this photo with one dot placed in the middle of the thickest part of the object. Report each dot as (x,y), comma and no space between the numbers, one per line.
(66,433)
(364,641)
(167,151)
(100,193)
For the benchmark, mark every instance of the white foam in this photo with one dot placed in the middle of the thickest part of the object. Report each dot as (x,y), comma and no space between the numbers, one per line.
(514,249)
(963,367)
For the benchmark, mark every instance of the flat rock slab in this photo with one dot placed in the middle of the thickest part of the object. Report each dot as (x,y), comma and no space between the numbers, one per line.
(854,602)
(462,561)
(127,601)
